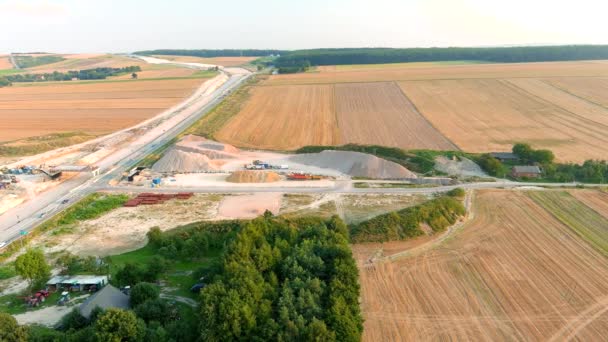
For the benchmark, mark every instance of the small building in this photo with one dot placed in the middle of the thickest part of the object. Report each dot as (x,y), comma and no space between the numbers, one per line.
(108,297)
(526,171)
(77,283)
(504,156)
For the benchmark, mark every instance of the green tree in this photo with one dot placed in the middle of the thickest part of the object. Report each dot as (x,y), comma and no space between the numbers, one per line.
(143,292)
(523,151)
(117,325)
(32,266)
(544,157)
(74,320)
(10,331)
(153,310)
(491,165)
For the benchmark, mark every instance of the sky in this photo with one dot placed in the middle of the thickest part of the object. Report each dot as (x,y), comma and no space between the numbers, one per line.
(72,26)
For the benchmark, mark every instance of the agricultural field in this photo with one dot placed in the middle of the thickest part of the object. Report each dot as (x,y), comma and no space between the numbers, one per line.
(100,107)
(485,115)
(459,105)
(221,61)
(514,272)
(378,113)
(86,61)
(284,118)
(5,62)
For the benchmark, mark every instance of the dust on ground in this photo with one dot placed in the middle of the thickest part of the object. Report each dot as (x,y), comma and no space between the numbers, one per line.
(48,316)
(249,206)
(124,229)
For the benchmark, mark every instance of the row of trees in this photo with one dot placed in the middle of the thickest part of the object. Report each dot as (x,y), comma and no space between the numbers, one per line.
(438,213)
(590,171)
(284,280)
(87,74)
(387,55)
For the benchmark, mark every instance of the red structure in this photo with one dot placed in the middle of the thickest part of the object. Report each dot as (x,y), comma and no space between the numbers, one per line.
(147,198)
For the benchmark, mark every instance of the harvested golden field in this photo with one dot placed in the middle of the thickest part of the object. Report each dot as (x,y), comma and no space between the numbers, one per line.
(284,118)
(594,90)
(5,62)
(96,108)
(290,117)
(596,200)
(222,61)
(586,222)
(485,115)
(379,113)
(446,71)
(513,273)
(160,71)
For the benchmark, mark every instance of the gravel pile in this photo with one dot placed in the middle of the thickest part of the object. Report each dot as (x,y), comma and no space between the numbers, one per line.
(463,167)
(355,164)
(179,161)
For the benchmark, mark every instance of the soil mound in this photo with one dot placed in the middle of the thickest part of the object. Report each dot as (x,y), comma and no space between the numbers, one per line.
(176,160)
(355,164)
(253,177)
(196,142)
(462,167)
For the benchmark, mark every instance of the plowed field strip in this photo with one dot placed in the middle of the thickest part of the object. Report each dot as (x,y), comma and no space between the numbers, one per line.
(586,222)
(596,200)
(594,90)
(513,273)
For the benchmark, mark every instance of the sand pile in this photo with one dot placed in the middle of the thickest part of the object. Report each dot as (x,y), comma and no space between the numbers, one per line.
(195,154)
(355,164)
(249,176)
(176,160)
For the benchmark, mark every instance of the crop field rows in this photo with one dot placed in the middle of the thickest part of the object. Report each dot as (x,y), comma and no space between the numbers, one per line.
(515,272)
(289,117)
(562,106)
(5,62)
(97,107)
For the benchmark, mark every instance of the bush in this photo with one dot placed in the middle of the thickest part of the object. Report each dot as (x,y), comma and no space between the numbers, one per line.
(153,310)
(457,192)
(438,213)
(74,320)
(143,292)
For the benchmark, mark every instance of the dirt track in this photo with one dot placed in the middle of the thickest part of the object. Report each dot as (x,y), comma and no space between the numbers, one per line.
(513,273)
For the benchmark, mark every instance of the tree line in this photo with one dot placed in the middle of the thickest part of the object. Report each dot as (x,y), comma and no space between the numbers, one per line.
(296,61)
(86,74)
(590,171)
(438,213)
(212,53)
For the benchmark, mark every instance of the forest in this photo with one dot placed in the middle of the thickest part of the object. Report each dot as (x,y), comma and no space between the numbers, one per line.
(299,60)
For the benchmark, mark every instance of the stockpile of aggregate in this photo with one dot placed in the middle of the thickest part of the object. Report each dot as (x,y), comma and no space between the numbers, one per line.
(355,164)
(249,176)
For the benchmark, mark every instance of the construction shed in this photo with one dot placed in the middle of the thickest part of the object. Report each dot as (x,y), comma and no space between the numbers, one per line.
(526,171)
(77,283)
(108,297)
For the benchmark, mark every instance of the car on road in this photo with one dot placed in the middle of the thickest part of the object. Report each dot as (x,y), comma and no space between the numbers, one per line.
(41,215)
(65,201)
(3,244)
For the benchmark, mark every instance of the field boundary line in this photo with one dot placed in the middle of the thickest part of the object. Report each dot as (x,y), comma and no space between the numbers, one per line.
(543,101)
(574,326)
(572,94)
(422,115)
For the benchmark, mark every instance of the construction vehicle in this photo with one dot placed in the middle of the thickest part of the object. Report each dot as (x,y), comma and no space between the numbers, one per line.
(37,298)
(64,299)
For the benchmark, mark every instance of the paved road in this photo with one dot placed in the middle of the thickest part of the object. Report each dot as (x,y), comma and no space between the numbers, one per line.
(341,187)
(31,213)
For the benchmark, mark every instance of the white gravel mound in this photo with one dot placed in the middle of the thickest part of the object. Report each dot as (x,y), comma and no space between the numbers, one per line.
(355,164)
(463,167)
(176,160)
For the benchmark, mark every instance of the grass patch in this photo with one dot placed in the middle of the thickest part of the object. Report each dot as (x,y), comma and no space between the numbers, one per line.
(584,221)
(35,145)
(90,207)
(224,111)
(25,62)
(7,272)
(153,157)
(14,304)
(8,72)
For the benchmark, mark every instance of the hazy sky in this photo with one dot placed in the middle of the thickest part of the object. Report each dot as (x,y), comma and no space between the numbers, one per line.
(129,25)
